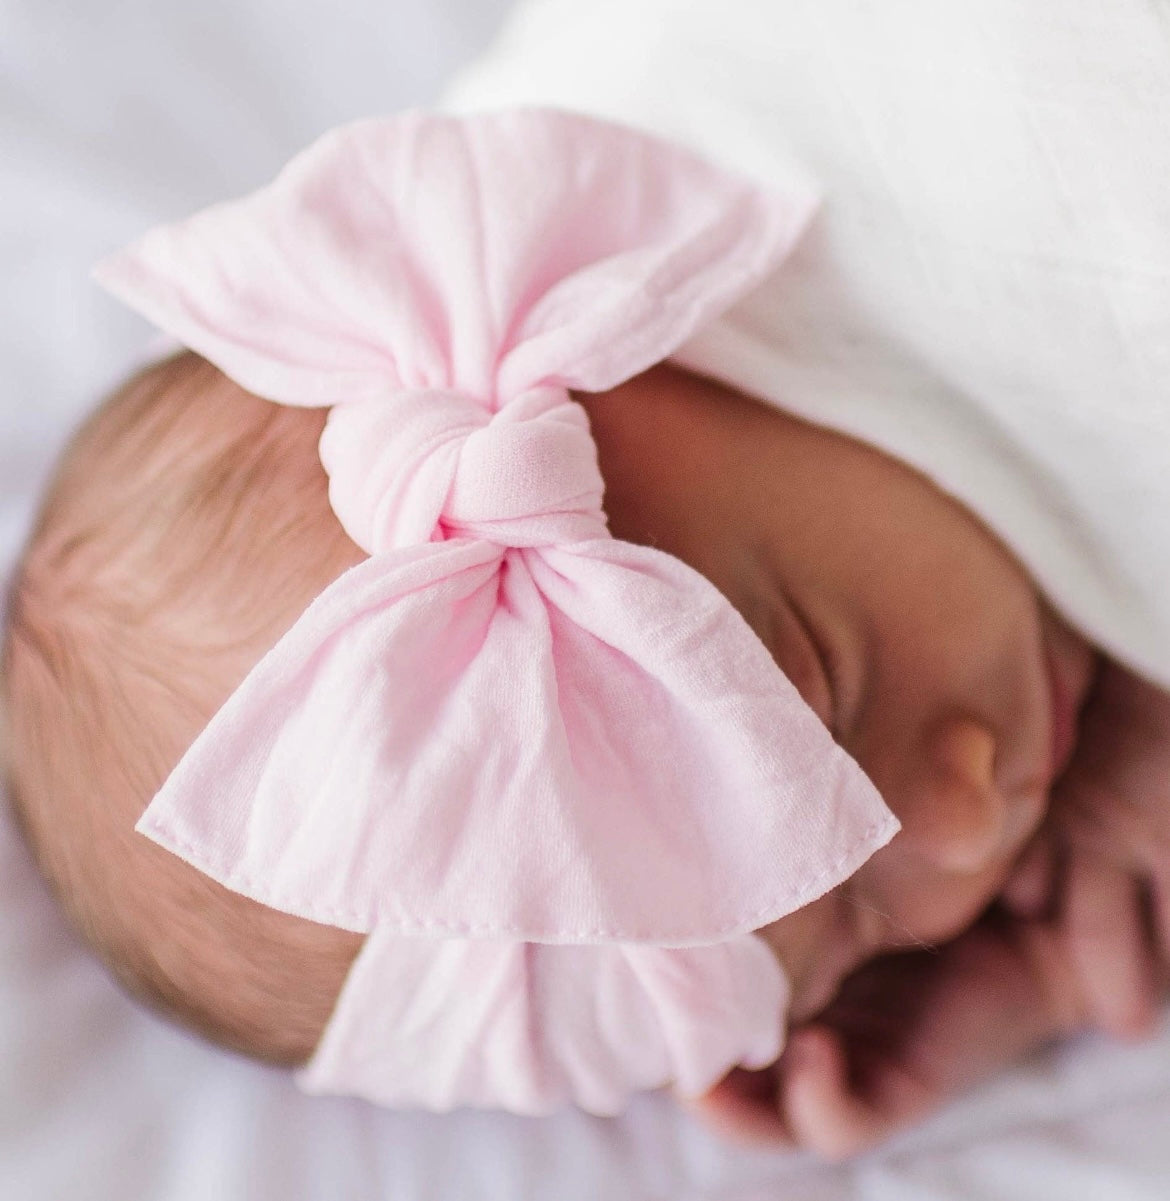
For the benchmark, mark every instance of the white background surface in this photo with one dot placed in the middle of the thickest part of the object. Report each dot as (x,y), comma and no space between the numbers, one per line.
(114,116)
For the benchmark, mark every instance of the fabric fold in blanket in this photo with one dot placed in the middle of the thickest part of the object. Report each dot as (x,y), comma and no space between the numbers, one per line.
(985,294)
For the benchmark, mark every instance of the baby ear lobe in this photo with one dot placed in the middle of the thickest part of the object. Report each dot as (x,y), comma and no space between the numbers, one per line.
(960,819)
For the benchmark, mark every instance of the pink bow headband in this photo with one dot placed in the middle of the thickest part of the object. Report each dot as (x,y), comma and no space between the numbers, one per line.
(505,730)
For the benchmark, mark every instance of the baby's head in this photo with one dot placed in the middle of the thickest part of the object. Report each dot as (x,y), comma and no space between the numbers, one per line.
(189,527)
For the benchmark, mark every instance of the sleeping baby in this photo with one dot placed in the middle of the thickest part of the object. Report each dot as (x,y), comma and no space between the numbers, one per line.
(984,296)
(438,680)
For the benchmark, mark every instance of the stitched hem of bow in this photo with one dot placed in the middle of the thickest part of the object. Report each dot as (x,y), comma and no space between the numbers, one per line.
(872,839)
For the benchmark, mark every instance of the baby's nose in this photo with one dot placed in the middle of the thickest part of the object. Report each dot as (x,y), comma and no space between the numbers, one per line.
(963,822)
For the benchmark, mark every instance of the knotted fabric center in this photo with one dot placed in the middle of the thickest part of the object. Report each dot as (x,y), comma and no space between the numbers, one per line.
(436,463)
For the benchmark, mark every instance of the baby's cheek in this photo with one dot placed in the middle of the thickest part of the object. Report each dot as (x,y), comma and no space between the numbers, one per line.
(773,936)
(921,906)
(817,946)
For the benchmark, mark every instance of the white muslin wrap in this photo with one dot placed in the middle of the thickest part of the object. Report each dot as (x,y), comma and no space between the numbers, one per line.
(986,292)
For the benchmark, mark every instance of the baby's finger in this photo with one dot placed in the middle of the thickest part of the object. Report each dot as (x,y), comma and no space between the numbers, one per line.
(1101,823)
(826,1113)
(1029,889)
(1105,931)
(1160,915)
(743,1108)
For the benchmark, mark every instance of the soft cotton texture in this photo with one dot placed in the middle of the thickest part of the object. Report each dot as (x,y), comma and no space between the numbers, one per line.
(503,725)
(985,293)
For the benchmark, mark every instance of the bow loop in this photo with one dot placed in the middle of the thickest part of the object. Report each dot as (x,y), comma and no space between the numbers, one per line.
(434,463)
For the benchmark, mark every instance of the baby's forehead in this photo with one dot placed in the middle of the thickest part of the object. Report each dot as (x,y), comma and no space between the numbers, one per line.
(692,451)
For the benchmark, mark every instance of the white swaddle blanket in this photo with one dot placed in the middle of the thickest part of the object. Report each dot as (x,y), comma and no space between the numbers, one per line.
(986,293)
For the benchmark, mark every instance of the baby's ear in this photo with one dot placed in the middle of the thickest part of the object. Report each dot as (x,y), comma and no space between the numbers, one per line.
(953,812)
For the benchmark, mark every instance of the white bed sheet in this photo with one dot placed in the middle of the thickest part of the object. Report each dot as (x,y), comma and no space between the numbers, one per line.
(112,117)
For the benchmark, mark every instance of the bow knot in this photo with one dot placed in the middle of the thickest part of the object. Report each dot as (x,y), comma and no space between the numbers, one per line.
(432,463)
(529,477)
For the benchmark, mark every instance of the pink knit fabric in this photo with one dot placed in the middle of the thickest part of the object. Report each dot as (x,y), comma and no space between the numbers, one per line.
(505,730)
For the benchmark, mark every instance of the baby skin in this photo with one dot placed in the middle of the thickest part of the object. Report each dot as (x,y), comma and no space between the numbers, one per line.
(989,726)
(1079,940)
(189,527)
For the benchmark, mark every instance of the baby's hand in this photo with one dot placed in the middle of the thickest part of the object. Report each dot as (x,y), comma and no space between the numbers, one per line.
(906,1033)
(1082,941)
(1109,859)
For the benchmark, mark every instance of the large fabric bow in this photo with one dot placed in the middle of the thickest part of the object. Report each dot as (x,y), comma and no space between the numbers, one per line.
(505,724)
